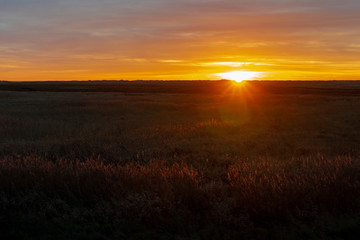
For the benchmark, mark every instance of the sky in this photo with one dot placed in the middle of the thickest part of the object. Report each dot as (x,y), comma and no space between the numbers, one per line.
(179,39)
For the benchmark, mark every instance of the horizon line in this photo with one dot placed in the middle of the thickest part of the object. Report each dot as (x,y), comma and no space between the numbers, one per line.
(170,80)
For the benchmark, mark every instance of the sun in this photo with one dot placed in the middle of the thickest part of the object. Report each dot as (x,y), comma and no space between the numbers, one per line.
(238,76)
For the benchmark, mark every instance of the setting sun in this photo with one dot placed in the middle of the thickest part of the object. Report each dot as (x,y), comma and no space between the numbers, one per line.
(238,76)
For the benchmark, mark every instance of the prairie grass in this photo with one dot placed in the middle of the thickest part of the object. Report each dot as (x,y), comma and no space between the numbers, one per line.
(281,164)
(254,194)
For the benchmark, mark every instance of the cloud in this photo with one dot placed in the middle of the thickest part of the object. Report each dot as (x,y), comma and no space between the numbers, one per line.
(53,34)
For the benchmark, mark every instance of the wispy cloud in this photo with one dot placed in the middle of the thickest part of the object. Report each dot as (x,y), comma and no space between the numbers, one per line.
(173,38)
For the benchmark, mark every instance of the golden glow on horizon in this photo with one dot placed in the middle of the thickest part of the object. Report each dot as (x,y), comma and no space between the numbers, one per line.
(239,76)
(233,68)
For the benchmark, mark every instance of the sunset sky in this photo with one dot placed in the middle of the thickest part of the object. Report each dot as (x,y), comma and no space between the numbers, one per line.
(179,39)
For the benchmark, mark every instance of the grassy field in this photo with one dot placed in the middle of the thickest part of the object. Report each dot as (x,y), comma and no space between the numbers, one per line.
(180,160)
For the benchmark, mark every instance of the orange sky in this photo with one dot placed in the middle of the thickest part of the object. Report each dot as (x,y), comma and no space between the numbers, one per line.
(179,39)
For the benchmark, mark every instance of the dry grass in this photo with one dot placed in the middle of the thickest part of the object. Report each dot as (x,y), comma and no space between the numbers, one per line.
(255,193)
(179,166)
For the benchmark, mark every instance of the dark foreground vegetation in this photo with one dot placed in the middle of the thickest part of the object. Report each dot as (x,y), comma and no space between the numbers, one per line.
(201,160)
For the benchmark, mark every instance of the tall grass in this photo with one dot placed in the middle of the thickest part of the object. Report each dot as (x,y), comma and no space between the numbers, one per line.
(254,193)
(180,166)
